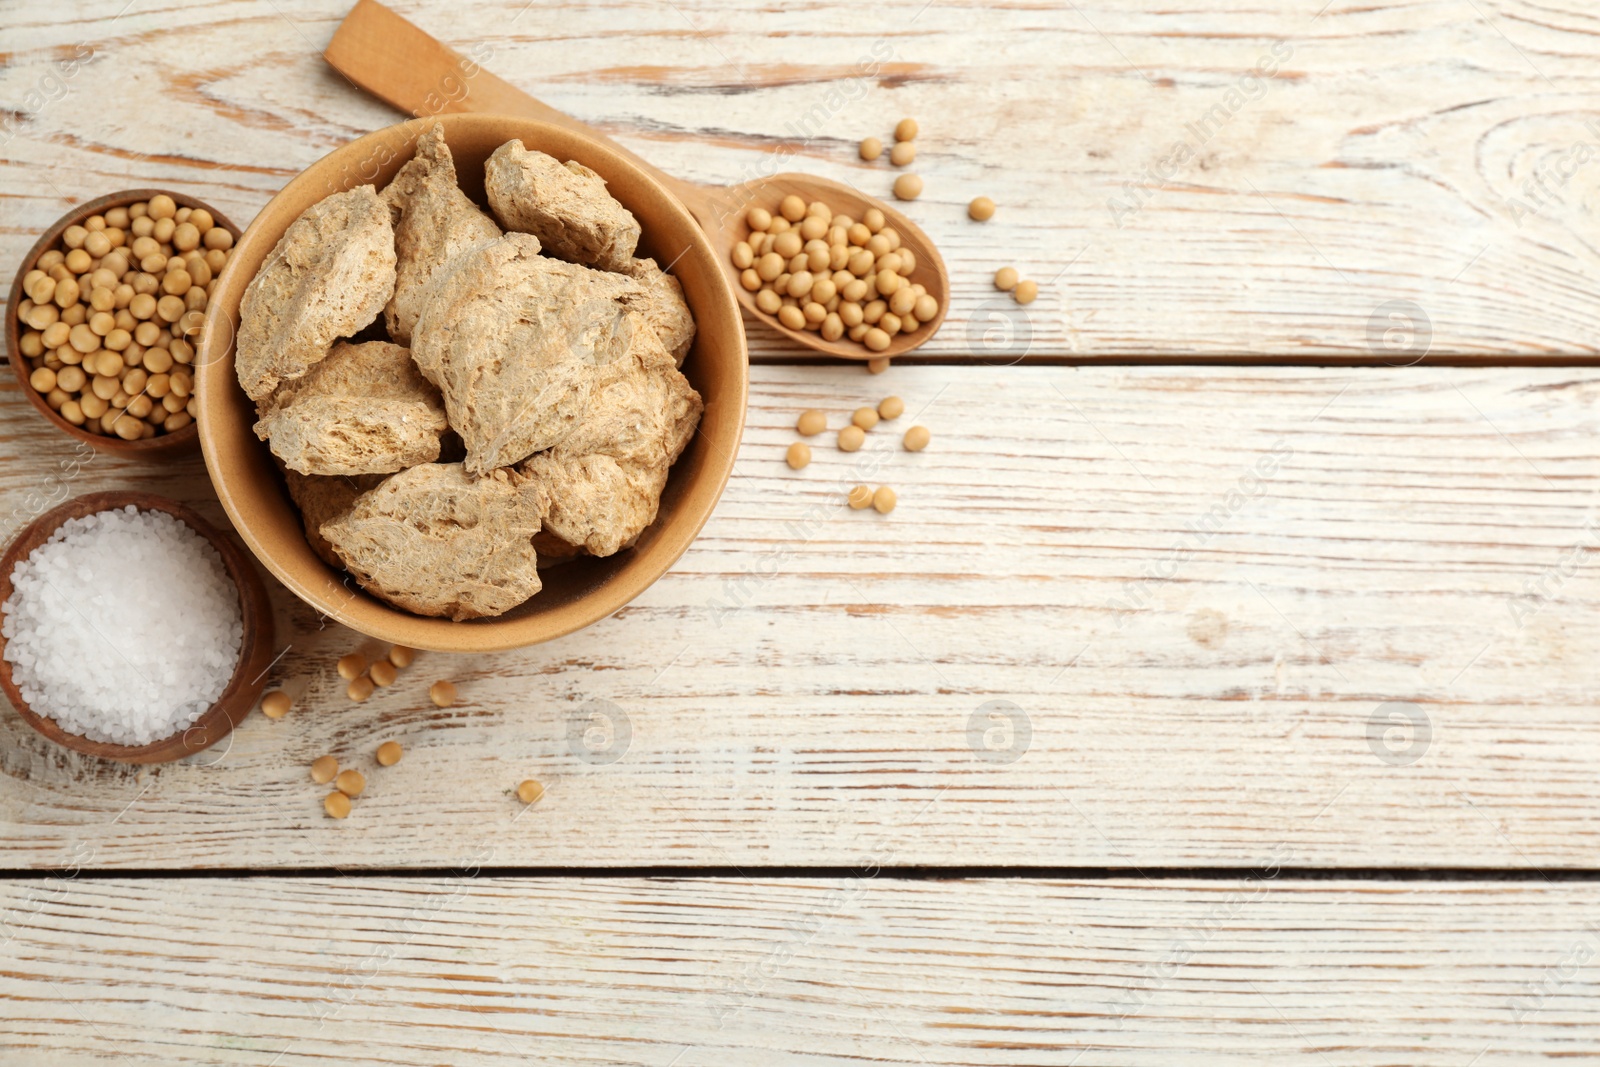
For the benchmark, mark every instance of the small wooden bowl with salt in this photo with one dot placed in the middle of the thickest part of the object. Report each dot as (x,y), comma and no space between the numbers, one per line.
(256,647)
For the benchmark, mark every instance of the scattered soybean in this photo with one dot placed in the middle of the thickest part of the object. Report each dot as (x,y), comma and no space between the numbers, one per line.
(337,805)
(323,769)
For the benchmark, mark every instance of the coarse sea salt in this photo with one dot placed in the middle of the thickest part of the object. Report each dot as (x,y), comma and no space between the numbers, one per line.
(123,627)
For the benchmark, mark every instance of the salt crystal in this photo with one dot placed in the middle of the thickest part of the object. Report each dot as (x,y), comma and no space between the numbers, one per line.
(123,627)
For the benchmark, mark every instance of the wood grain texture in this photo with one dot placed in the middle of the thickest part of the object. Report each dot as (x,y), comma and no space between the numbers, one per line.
(1444,155)
(1211,598)
(1127,973)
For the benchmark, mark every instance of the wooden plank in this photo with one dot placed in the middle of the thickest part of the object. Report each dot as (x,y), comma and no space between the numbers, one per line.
(815,972)
(1206,600)
(1428,156)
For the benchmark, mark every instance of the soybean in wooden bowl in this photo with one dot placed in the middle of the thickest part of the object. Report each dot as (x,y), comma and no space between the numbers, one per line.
(162,444)
(575,594)
(255,653)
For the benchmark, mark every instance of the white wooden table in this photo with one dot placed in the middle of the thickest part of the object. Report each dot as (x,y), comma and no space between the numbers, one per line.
(1222,690)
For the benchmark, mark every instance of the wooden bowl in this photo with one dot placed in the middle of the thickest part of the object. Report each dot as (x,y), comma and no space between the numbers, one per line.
(162,444)
(576,594)
(254,659)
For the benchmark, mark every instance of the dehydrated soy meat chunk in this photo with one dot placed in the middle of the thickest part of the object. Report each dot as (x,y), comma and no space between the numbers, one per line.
(515,340)
(433,222)
(663,307)
(642,409)
(437,541)
(605,479)
(596,503)
(565,205)
(329,275)
(323,499)
(365,409)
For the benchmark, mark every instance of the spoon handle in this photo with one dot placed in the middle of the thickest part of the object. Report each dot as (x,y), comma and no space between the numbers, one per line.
(392,59)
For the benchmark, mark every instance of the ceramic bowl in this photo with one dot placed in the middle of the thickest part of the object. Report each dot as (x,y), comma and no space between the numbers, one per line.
(577,593)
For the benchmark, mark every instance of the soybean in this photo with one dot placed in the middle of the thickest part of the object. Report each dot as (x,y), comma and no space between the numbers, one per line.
(389,753)
(816,270)
(276,704)
(323,768)
(114,295)
(799,455)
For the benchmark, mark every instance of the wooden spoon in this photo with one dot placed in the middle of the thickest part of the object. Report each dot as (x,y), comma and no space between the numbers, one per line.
(403,66)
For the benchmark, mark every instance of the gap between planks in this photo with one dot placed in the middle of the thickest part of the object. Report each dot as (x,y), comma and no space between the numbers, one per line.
(903,873)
